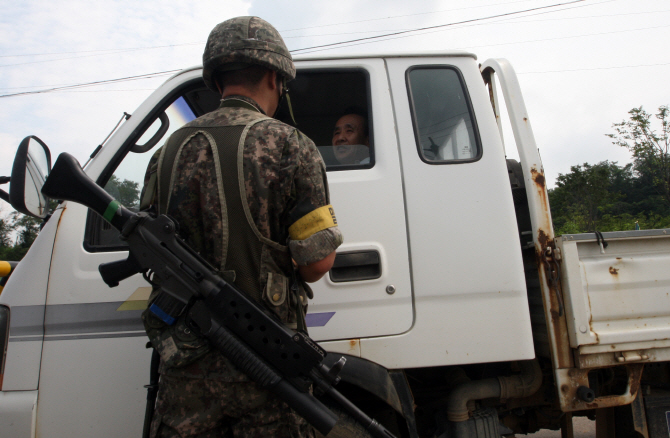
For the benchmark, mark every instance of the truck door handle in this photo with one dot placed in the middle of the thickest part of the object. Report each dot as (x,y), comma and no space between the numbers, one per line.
(356,266)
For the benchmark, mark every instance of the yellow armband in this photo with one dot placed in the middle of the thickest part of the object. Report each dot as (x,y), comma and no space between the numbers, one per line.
(313,222)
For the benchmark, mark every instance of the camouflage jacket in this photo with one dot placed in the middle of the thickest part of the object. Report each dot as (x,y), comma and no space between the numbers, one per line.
(285,186)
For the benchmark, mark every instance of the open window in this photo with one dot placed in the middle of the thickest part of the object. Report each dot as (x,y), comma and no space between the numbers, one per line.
(319,98)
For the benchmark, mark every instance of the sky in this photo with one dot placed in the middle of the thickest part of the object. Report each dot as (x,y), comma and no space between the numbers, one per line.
(582,65)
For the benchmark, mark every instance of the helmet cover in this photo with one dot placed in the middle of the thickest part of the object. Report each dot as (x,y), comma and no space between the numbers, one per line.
(242,41)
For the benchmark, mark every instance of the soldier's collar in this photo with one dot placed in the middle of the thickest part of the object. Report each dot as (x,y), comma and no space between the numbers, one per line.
(237,101)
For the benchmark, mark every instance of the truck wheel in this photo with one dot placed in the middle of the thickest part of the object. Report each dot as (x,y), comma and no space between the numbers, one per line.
(346,426)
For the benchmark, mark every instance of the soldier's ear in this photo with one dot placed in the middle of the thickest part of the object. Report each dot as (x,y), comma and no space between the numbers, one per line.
(271,79)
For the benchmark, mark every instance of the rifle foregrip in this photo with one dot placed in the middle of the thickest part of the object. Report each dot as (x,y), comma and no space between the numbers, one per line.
(304,403)
(240,355)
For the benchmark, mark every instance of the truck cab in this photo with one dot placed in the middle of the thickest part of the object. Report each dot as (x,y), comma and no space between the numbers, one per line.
(449,274)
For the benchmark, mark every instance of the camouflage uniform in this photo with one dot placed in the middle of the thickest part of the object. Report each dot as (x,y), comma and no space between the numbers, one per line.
(279,181)
(201,393)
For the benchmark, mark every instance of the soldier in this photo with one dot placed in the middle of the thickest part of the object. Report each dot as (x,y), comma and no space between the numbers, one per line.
(250,195)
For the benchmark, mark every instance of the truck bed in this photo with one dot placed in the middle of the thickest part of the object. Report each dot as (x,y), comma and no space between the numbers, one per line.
(617,296)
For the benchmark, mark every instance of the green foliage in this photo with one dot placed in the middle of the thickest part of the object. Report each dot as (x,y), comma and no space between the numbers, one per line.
(605,197)
(125,191)
(5,230)
(609,197)
(13,253)
(649,148)
(584,195)
(27,227)
(25,230)
(18,231)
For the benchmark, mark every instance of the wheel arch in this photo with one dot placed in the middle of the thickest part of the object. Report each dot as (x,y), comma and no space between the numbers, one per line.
(389,386)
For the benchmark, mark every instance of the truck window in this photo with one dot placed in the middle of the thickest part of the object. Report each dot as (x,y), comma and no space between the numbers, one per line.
(321,97)
(444,125)
(125,184)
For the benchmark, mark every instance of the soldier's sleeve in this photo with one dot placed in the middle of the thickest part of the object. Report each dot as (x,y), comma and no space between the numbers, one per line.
(313,232)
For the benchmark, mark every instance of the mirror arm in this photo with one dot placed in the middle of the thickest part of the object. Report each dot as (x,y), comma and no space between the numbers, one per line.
(4,195)
(125,116)
(45,220)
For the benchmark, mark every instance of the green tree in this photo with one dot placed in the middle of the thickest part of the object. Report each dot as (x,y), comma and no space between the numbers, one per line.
(649,147)
(18,232)
(125,191)
(6,229)
(26,229)
(584,196)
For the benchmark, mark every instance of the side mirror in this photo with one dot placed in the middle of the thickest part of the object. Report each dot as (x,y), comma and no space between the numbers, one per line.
(31,168)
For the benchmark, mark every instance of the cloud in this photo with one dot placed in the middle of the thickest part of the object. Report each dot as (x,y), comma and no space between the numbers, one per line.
(79,120)
(569,111)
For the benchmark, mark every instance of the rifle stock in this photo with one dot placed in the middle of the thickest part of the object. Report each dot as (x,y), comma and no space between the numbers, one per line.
(285,362)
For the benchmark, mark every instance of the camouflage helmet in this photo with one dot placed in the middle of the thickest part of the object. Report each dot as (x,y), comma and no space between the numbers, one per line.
(239,42)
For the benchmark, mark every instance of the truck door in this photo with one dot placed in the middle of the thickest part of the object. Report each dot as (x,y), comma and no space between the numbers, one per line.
(368,292)
(94,360)
(468,277)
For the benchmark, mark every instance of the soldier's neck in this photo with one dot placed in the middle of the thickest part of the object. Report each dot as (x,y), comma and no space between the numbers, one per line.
(266,94)
(265,100)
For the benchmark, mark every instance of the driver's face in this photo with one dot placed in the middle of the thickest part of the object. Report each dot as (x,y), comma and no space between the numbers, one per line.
(347,133)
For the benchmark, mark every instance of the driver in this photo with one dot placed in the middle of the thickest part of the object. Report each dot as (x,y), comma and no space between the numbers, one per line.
(351,141)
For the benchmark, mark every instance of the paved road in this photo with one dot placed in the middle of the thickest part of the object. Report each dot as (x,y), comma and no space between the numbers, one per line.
(582,426)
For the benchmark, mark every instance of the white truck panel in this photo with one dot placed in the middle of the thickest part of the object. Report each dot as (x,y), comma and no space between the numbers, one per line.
(90,340)
(458,338)
(105,390)
(351,347)
(72,264)
(28,286)
(22,368)
(18,411)
(617,296)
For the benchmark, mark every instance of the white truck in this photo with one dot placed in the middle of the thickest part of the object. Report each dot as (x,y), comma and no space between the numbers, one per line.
(460,313)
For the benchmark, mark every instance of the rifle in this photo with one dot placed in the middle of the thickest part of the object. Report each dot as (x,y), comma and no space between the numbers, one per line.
(285,362)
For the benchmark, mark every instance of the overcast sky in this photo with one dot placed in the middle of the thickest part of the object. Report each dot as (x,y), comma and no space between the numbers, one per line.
(582,65)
